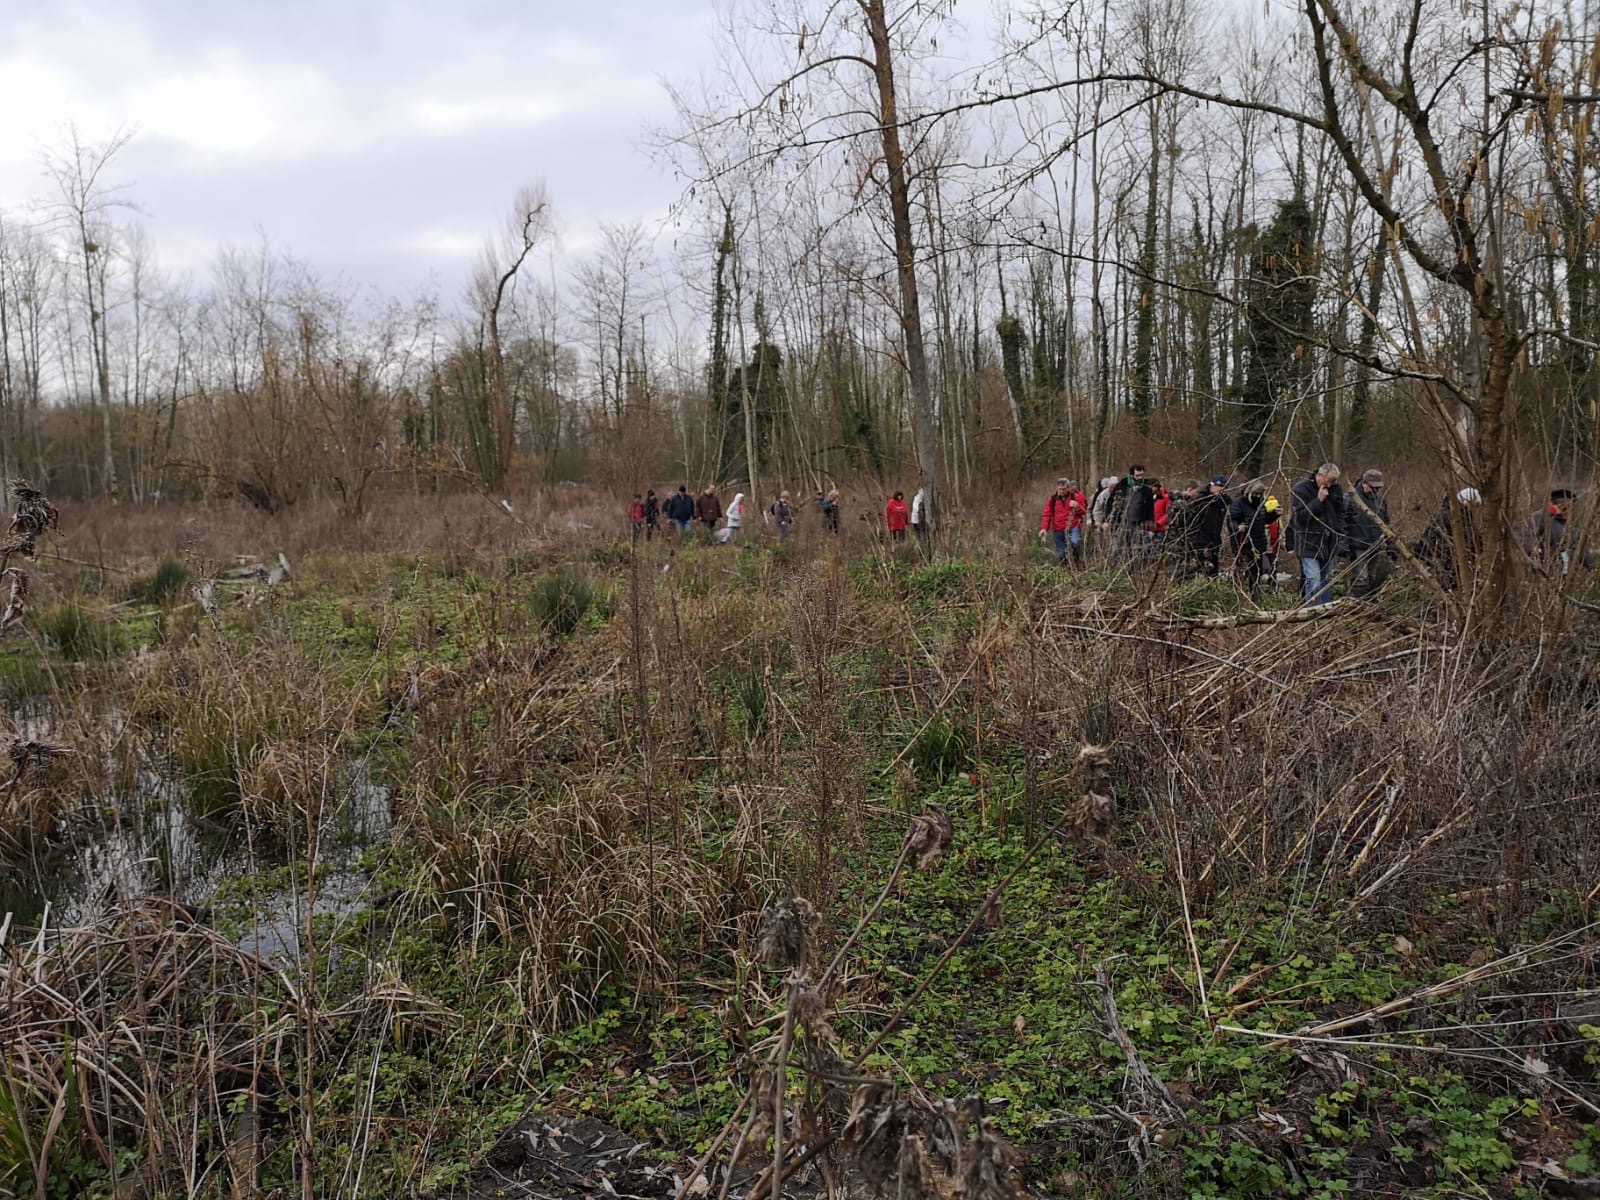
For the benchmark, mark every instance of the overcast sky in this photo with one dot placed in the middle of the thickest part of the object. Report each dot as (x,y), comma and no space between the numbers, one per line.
(378,139)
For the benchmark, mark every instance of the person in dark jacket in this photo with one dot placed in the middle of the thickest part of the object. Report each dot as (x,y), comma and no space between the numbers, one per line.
(652,514)
(1547,534)
(1208,525)
(1369,549)
(680,510)
(828,508)
(1437,545)
(1133,514)
(708,509)
(1249,520)
(1317,522)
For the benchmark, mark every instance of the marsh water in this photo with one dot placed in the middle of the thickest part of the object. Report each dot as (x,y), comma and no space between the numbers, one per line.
(149,840)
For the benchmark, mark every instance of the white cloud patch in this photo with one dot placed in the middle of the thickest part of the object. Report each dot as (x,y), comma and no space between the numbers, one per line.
(229,107)
(445,117)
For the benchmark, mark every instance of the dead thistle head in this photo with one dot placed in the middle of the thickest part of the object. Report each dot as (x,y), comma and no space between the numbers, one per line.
(786,934)
(1092,817)
(34,514)
(930,836)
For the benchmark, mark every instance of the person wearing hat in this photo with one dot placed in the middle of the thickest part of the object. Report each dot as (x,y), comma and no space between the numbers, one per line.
(1317,524)
(1062,519)
(1209,523)
(1366,545)
(1547,534)
(1437,545)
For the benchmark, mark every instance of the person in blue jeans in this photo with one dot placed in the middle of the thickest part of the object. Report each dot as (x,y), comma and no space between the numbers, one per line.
(1317,524)
(680,509)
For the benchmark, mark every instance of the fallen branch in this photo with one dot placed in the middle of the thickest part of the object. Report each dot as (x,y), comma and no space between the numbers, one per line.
(1259,616)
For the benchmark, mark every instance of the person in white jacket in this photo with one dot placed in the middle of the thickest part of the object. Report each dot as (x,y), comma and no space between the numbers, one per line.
(735,519)
(916,514)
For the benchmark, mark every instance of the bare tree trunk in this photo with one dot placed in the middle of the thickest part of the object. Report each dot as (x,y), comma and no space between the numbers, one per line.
(922,419)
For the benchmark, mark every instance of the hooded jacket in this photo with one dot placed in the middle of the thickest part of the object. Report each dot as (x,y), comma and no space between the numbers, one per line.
(1250,520)
(736,511)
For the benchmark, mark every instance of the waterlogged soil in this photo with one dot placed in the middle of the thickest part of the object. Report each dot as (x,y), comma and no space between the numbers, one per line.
(153,844)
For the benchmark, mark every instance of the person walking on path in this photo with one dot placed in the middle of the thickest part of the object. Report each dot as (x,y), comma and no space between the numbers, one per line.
(1062,520)
(652,515)
(1209,524)
(828,506)
(735,517)
(636,515)
(1437,545)
(896,516)
(708,509)
(783,514)
(1369,549)
(1133,515)
(1317,524)
(918,522)
(1250,519)
(680,510)
(1547,535)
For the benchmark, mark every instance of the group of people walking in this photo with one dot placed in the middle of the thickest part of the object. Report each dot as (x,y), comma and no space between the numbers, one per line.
(1324,527)
(684,512)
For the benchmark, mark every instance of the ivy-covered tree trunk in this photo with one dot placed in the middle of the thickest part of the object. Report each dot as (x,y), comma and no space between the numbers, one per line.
(717,368)
(1281,293)
(1145,320)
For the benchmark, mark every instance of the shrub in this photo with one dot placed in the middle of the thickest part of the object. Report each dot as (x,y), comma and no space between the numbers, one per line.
(169,581)
(562,598)
(80,632)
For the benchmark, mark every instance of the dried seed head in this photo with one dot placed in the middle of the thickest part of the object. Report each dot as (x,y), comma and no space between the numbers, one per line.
(34,514)
(986,1162)
(786,935)
(814,1013)
(16,598)
(930,836)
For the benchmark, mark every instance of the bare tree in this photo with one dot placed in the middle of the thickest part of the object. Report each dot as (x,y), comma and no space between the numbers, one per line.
(84,202)
(530,225)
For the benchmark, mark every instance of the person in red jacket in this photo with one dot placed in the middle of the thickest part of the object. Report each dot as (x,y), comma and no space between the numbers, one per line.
(1062,518)
(636,514)
(1162,509)
(897,516)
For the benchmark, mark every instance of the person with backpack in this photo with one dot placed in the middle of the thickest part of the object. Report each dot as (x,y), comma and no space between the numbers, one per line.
(1062,519)
(1133,514)
(783,515)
